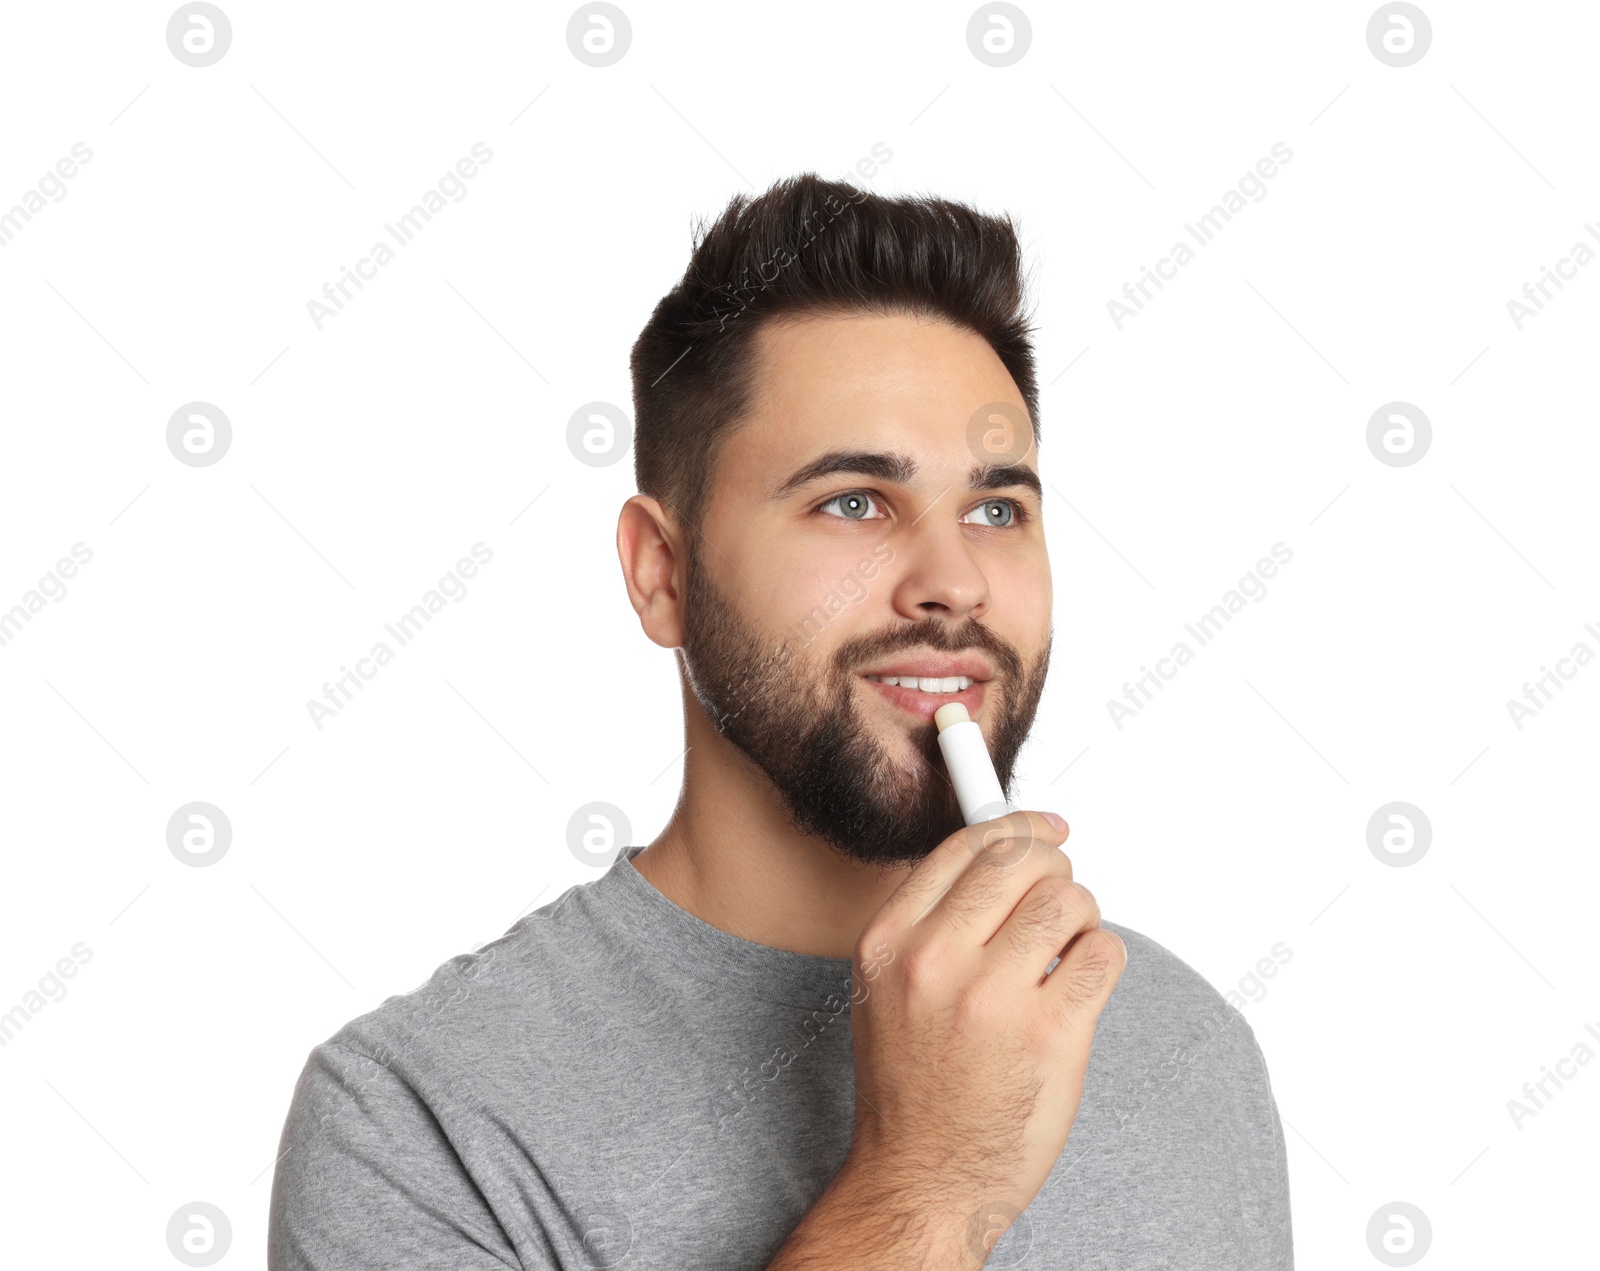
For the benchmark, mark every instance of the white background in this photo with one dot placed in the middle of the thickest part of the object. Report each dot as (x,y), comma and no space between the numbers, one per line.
(431,414)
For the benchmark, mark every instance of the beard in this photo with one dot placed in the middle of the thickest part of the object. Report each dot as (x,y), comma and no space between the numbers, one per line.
(802,725)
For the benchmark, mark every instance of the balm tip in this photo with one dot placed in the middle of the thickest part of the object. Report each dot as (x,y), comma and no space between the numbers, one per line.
(950,713)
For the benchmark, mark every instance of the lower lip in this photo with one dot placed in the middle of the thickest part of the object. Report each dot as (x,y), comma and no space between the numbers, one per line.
(923,705)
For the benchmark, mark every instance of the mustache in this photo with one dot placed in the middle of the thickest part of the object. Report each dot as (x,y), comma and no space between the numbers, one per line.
(930,634)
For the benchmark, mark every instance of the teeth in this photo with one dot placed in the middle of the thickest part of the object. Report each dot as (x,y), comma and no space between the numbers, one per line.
(926,683)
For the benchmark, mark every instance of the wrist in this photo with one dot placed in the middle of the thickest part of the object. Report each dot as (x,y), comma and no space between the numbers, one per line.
(924,1210)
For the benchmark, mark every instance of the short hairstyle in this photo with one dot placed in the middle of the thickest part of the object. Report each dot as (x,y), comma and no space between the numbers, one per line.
(808,247)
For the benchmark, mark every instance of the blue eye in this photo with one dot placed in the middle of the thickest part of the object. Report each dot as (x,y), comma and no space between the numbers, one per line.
(861,505)
(854,503)
(1018,513)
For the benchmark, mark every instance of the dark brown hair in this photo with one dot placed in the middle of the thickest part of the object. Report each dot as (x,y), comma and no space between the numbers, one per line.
(808,247)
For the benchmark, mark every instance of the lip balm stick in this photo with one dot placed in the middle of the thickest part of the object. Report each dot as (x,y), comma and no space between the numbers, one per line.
(971,770)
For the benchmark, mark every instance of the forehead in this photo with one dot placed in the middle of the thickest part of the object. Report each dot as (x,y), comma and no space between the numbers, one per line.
(863,380)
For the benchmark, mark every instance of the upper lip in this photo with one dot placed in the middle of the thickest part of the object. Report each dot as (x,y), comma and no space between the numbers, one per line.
(932,666)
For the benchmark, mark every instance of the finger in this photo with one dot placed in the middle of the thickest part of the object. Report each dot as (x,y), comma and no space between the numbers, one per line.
(980,902)
(1081,984)
(932,876)
(1053,912)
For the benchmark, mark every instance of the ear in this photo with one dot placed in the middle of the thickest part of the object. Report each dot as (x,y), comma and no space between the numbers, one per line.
(652,551)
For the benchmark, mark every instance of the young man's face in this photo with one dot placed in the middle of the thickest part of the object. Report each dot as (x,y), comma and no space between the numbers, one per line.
(794,595)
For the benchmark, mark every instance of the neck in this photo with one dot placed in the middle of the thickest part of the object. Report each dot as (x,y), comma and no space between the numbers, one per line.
(730,857)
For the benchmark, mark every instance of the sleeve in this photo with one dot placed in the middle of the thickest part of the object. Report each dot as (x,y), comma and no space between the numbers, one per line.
(366,1178)
(1277,1235)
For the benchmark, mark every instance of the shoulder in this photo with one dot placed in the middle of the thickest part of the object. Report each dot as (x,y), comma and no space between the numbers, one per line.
(1155,975)
(1162,1001)
(397,1076)
(1178,1083)
(471,1000)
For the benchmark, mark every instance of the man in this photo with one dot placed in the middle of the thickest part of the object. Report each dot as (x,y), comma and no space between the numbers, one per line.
(811,1025)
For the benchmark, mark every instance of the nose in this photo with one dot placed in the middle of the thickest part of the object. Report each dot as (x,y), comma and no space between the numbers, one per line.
(938,575)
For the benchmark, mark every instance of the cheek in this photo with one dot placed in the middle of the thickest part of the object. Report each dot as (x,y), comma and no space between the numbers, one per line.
(1021,601)
(827,598)
(797,586)
(1031,589)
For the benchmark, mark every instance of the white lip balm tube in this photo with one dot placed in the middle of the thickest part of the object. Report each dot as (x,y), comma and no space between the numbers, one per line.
(971,770)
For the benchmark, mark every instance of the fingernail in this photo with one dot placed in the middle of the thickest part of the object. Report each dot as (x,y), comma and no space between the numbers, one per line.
(1057,821)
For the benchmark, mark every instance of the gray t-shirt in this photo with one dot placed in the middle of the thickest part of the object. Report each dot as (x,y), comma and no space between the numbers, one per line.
(615,1083)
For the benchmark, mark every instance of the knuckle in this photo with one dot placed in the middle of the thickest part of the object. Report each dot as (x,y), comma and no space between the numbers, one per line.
(1050,860)
(1107,946)
(920,970)
(1007,837)
(868,943)
(975,891)
(1052,901)
(976,1000)
(1097,964)
(1088,977)
(1035,923)
(1000,846)
(1080,902)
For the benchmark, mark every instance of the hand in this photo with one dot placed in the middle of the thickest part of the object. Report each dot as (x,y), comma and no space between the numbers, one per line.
(969,1058)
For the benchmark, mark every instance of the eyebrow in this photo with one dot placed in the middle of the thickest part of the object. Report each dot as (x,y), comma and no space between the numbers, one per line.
(900,469)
